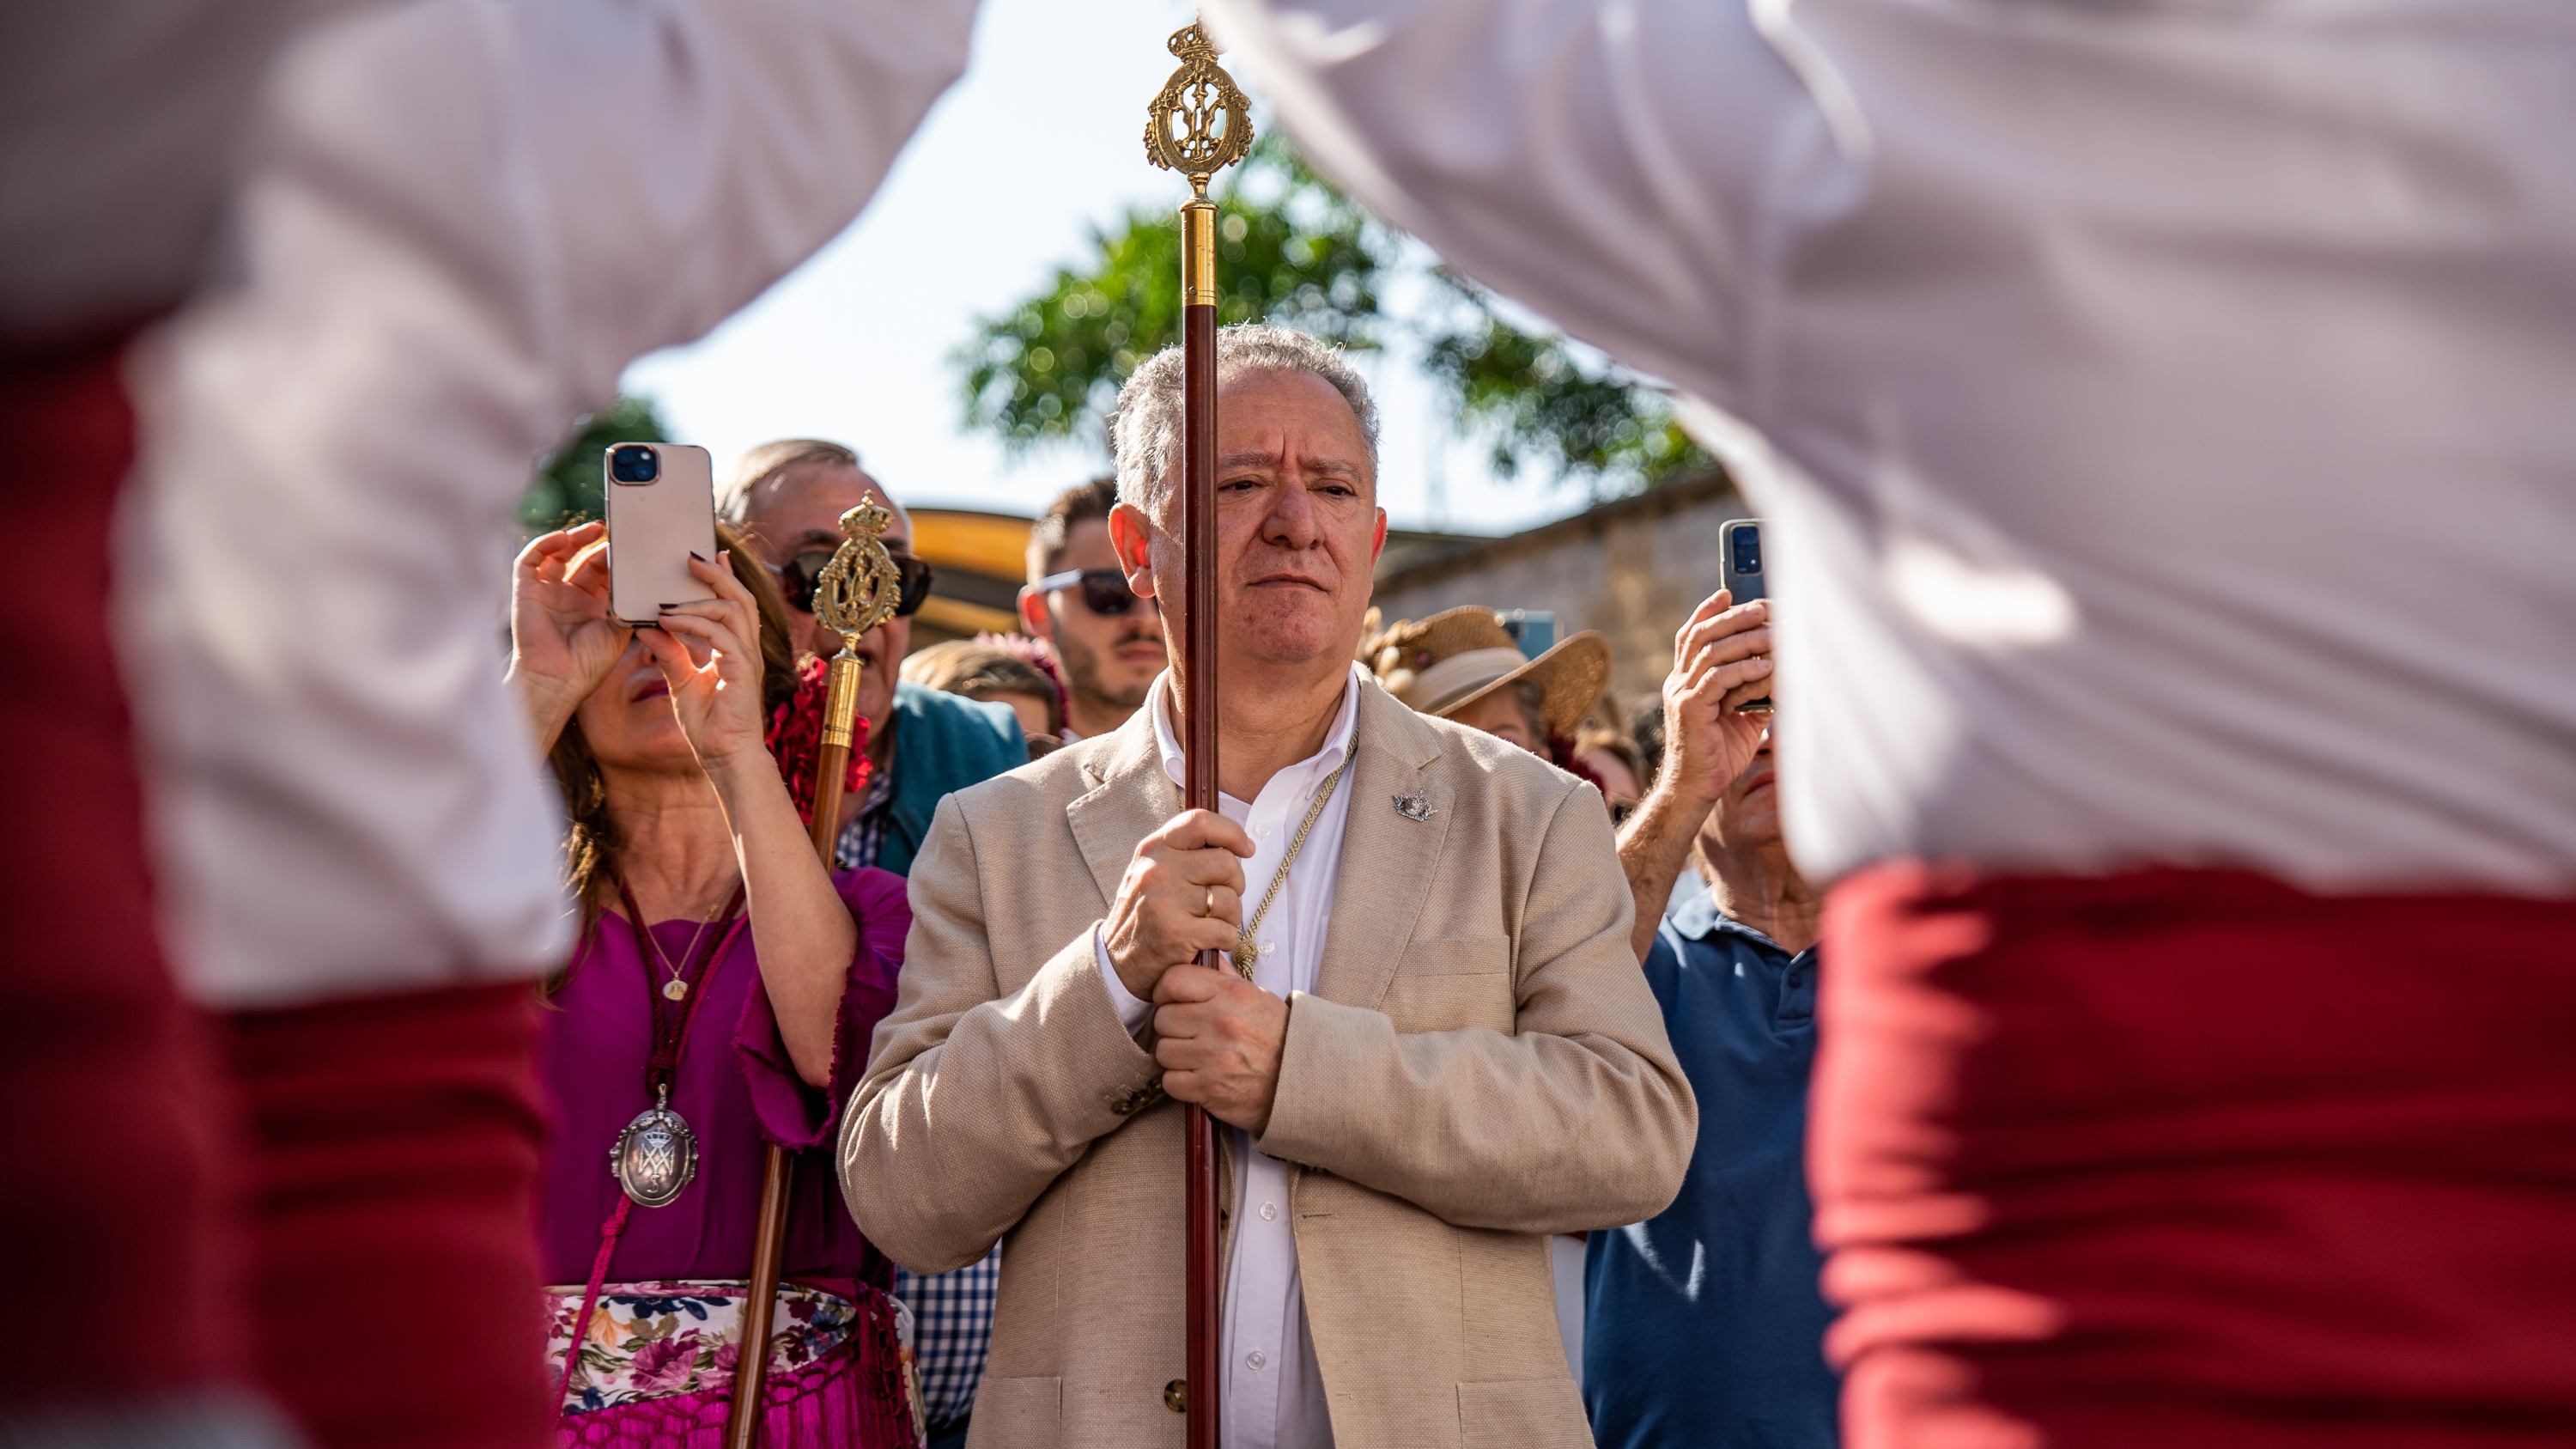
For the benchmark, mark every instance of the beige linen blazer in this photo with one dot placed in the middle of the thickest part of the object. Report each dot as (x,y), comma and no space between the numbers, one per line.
(1480,1064)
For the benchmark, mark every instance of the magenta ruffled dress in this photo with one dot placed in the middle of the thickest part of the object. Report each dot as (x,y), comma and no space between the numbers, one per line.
(657,1358)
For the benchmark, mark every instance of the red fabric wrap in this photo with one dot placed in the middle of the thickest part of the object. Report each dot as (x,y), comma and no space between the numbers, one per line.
(112,1096)
(398,1142)
(795,738)
(2195,1158)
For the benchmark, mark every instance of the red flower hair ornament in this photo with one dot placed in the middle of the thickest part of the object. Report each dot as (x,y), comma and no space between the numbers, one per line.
(795,737)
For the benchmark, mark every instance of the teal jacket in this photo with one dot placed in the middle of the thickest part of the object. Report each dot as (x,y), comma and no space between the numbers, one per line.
(942,742)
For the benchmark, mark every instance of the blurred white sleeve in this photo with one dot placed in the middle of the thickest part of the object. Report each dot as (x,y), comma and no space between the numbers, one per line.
(463,219)
(1604,162)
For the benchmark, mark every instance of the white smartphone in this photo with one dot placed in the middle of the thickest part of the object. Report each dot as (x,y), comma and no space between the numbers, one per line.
(661,509)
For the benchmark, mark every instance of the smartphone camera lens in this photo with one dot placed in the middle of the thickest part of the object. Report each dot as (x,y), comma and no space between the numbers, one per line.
(1748,551)
(634,463)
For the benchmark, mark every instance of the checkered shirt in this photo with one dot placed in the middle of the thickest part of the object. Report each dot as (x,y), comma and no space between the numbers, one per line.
(864,836)
(952,1314)
(952,1327)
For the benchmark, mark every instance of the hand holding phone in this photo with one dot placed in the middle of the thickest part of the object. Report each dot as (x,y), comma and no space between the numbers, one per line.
(562,639)
(709,656)
(1721,662)
(661,510)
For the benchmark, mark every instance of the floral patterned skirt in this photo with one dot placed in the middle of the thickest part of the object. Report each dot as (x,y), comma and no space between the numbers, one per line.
(656,1367)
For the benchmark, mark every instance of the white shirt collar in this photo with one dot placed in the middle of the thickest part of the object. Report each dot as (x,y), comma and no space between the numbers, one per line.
(1337,741)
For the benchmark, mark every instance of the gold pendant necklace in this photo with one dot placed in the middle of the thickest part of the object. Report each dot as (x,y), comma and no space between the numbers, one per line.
(677,988)
(1246,950)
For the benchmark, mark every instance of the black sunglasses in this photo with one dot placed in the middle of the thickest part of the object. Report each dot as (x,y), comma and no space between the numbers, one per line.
(1104,591)
(797,577)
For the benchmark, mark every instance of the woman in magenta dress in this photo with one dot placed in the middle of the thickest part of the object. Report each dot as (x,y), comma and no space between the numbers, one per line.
(737,1016)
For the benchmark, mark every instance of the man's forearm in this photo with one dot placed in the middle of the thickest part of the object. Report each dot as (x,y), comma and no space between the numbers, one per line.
(1599,1131)
(1022,1086)
(1653,846)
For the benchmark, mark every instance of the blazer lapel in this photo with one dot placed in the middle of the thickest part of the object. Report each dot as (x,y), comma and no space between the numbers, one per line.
(1388,858)
(1132,799)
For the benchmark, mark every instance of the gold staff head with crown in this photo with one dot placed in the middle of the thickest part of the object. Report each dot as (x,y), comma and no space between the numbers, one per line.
(1199,123)
(860,588)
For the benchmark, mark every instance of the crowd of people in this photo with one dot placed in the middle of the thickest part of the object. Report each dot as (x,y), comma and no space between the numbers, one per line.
(676,750)
(1988,1003)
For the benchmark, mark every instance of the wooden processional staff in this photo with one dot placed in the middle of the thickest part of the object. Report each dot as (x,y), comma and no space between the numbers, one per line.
(857,591)
(1198,125)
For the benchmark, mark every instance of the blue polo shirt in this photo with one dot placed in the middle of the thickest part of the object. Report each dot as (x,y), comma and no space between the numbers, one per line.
(1703,1325)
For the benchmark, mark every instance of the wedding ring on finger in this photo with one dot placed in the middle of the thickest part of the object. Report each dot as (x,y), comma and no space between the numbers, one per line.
(1210,908)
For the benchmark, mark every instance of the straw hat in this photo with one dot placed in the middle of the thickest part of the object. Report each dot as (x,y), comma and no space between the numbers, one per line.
(1458,656)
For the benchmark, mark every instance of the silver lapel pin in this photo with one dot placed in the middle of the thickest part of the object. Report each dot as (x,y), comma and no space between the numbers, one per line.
(1416,807)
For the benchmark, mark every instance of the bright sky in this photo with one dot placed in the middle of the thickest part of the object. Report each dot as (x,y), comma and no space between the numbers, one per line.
(1038,142)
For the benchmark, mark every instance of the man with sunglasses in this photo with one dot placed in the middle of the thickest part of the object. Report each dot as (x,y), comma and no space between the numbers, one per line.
(1107,641)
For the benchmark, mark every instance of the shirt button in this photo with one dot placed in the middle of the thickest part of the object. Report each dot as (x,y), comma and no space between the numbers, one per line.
(1269,1210)
(1254,1359)
(1269,946)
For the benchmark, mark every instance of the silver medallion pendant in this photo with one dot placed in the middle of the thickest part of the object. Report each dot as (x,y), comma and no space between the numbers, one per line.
(656,1156)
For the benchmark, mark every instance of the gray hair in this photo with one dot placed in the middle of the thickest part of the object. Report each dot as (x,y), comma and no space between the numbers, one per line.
(733,495)
(1145,431)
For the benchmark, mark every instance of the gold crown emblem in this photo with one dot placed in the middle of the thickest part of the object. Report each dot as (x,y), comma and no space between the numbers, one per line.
(860,588)
(1199,123)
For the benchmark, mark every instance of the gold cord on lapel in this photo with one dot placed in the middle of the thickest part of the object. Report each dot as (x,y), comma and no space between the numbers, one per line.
(1246,950)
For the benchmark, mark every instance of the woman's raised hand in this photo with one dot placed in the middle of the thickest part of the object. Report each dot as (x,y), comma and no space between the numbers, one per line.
(718,701)
(563,639)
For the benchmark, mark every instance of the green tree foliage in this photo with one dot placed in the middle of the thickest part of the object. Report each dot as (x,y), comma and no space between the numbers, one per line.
(568,485)
(1296,252)
(1290,250)
(1532,398)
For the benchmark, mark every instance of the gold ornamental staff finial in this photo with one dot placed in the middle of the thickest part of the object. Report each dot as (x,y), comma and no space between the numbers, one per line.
(860,588)
(1200,123)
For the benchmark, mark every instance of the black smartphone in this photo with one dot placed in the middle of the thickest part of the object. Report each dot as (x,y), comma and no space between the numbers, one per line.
(1740,560)
(1739,567)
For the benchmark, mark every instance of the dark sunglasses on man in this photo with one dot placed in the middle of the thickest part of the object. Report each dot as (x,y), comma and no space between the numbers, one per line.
(798,576)
(1104,591)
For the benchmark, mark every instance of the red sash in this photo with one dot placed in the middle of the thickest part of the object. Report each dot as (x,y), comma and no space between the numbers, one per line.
(2195,1158)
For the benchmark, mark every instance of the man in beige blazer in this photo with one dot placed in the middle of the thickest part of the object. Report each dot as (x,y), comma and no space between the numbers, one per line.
(1444,1051)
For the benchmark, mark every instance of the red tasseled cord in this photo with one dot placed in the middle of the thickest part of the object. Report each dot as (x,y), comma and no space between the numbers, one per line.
(795,737)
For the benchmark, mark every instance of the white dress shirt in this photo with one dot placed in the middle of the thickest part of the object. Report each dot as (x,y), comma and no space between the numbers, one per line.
(463,219)
(1274,1394)
(2161,409)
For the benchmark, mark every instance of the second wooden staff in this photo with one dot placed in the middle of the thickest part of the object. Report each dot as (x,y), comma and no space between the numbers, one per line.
(857,591)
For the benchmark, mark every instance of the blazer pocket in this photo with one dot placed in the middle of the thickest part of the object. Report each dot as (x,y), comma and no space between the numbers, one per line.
(1539,1413)
(1452,984)
(1014,1412)
(1456,956)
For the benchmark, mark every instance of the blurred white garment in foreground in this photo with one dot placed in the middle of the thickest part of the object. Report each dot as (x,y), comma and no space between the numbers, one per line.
(2163,408)
(462,219)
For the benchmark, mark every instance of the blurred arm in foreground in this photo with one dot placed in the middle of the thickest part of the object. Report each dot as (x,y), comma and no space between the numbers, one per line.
(2097,366)
(462,222)
(461,219)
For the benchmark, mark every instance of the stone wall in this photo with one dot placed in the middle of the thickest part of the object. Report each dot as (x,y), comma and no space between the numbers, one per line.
(1633,569)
